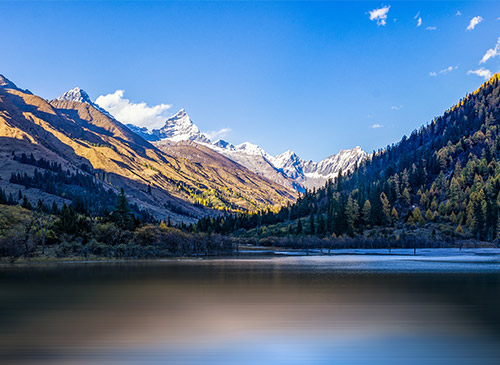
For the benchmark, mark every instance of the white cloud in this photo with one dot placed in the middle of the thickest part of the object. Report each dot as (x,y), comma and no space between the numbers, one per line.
(215,135)
(431,28)
(443,71)
(418,18)
(448,69)
(473,22)
(482,72)
(395,107)
(458,13)
(492,52)
(377,126)
(380,15)
(139,114)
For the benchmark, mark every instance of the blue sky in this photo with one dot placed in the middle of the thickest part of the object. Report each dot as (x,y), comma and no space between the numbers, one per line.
(314,77)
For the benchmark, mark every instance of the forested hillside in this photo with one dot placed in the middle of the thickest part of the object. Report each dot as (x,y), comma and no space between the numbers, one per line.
(443,179)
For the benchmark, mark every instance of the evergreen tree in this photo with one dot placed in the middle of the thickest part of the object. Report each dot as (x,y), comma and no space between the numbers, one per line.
(367,213)
(299,227)
(312,228)
(352,215)
(386,207)
(121,215)
(417,217)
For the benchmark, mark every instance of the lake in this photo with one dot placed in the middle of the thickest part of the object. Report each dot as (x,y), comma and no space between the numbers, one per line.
(352,307)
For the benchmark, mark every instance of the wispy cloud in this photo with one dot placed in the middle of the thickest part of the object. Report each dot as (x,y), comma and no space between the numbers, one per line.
(443,71)
(380,15)
(395,107)
(491,53)
(418,18)
(215,135)
(482,72)
(139,114)
(473,22)
(431,28)
(377,126)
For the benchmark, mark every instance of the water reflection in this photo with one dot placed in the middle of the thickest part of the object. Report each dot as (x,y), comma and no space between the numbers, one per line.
(308,310)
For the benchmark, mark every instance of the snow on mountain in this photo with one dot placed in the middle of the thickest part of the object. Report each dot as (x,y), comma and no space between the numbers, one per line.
(79,95)
(287,169)
(315,174)
(256,160)
(178,127)
(289,165)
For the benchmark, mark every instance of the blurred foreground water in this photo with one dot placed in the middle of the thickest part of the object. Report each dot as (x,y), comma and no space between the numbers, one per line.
(438,307)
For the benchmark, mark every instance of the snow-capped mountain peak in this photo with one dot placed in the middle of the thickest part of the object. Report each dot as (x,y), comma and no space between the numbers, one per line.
(251,149)
(281,160)
(76,94)
(79,95)
(180,127)
(315,174)
(224,144)
(287,168)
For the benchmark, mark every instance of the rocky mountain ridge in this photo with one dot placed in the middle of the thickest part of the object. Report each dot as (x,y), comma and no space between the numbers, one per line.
(287,169)
(96,150)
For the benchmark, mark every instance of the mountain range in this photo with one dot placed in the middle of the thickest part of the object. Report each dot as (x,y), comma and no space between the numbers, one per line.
(83,153)
(286,169)
(174,171)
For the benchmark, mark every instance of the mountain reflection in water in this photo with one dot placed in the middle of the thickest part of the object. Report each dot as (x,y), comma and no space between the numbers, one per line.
(287,310)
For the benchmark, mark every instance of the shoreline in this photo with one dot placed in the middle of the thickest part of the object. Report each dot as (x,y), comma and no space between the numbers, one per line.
(262,252)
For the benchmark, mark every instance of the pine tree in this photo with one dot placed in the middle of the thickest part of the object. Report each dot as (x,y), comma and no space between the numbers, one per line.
(367,213)
(394,214)
(417,217)
(352,215)
(386,207)
(299,227)
(406,197)
(312,228)
(321,229)
(121,214)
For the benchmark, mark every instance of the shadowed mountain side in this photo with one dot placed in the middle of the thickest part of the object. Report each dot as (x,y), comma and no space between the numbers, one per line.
(84,140)
(155,201)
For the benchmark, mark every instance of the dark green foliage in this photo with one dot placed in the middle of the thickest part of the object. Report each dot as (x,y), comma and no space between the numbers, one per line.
(87,193)
(122,215)
(445,174)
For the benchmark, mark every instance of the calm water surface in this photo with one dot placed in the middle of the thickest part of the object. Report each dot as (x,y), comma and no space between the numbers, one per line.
(438,307)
